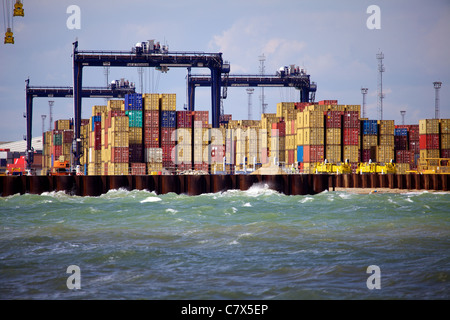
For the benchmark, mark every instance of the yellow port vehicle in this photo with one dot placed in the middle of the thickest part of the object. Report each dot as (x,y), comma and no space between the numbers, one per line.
(374,167)
(327,167)
(433,166)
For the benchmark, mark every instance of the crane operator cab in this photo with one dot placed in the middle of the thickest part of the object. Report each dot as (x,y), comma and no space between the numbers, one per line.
(18,9)
(9,36)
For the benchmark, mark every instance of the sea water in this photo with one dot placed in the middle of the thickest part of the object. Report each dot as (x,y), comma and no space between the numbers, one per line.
(254,244)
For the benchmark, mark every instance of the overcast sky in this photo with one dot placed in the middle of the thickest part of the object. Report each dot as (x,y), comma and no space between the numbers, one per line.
(329,38)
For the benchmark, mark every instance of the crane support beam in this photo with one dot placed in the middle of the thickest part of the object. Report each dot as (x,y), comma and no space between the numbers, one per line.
(300,82)
(62,92)
(138,58)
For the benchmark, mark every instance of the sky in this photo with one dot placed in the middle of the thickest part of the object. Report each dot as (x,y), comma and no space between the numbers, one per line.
(330,39)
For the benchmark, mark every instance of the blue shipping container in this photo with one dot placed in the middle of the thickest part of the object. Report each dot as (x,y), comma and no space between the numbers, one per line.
(94,120)
(401,132)
(370,127)
(168,119)
(133,101)
(299,153)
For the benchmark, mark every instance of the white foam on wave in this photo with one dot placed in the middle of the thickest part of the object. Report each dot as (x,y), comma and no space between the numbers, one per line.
(247,204)
(306,199)
(151,199)
(172,211)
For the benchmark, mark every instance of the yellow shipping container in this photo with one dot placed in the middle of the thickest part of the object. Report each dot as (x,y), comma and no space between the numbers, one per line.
(117,168)
(386,139)
(120,123)
(168,101)
(300,136)
(369,141)
(355,107)
(135,135)
(313,119)
(333,136)
(429,126)
(385,153)
(333,153)
(386,127)
(313,136)
(98,109)
(445,126)
(445,141)
(351,153)
(118,138)
(284,106)
(150,101)
(115,105)
(63,124)
(429,153)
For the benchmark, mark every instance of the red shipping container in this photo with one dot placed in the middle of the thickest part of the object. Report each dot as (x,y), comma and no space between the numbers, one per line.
(429,141)
(120,154)
(401,142)
(328,102)
(184,119)
(351,119)
(313,153)
(291,156)
(301,105)
(413,132)
(200,117)
(368,154)
(351,136)
(136,153)
(151,119)
(138,168)
(334,119)
(67,136)
(167,152)
(403,156)
(281,127)
(166,135)
(151,137)
(445,153)
(56,151)
(414,146)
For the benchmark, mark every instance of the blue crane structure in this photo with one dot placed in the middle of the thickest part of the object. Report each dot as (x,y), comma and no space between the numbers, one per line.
(145,54)
(63,92)
(297,80)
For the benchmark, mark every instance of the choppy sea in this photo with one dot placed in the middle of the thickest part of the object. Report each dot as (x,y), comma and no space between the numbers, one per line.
(254,244)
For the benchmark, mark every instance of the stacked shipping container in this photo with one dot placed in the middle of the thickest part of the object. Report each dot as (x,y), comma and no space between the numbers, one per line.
(429,138)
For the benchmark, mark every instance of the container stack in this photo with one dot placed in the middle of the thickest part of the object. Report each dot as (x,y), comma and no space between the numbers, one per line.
(310,138)
(429,138)
(183,149)
(351,137)
(201,140)
(95,141)
(403,156)
(414,144)
(286,111)
(369,140)
(333,136)
(445,138)
(278,142)
(151,133)
(291,142)
(167,127)
(385,149)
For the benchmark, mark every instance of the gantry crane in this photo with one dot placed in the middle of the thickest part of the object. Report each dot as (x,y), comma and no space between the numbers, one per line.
(145,54)
(296,79)
(113,91)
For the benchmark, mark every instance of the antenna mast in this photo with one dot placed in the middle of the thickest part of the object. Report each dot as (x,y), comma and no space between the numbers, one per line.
(380,57)
(364,93)
(250,92)
(262,70)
